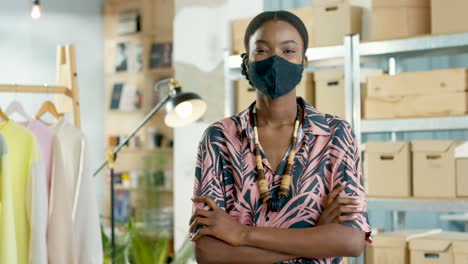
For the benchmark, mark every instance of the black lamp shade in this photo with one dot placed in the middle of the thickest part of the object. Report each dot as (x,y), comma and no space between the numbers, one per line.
(184,109)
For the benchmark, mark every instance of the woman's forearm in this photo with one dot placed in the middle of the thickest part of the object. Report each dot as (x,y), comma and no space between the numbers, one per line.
(212,250)
(325,241)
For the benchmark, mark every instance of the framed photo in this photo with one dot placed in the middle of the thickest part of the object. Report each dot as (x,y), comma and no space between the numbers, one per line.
(161,55)
(116,96)
(137,58)
(121,57)
(128,22)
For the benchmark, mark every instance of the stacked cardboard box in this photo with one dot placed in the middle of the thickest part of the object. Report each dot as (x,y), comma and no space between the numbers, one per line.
(417,94)
(433,169)
(388,169)
(449,16)
(441,248)
(400,19)
(392,247)
(333,19)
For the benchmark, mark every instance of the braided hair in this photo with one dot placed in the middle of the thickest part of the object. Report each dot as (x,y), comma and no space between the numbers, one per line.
(267,16)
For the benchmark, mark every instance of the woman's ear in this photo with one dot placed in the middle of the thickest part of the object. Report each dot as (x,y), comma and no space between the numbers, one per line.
(245,60)
(305,60)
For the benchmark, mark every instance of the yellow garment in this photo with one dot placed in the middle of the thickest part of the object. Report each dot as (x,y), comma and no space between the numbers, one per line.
(23,157)
(8,252)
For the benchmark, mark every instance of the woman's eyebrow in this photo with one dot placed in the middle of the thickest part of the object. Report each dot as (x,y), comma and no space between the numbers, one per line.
(289,41)
(261,41)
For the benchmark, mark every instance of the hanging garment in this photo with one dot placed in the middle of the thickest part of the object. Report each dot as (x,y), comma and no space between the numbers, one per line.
(72,185)
(8,253)
(29,193)
(44,136)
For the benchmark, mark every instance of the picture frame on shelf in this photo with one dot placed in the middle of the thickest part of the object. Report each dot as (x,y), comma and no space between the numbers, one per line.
(161,55)
(126,97)
(128,22)
(136,58)
(121,57)
(116,96)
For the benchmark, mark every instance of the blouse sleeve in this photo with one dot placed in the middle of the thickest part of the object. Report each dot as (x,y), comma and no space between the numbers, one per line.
(208,171)
(349,171)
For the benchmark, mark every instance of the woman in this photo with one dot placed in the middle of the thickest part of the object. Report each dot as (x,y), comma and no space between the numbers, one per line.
(279,182)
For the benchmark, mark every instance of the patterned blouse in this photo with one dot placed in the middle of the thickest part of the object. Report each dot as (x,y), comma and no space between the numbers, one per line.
(326,155)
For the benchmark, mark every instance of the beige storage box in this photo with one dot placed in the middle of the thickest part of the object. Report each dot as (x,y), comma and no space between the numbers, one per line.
(439,248)
(416,106)
(307,16)
(392,247)
(388,169)
(393,19)
(461,156)
(246,94)
(417,94)
(238,31)
(434,168)
(460,252)
(330,89)
(435,82)
(449,16)
(462,177)
(333,20)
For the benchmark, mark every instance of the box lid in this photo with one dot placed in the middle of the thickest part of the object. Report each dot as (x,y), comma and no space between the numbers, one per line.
(400,238)
(401,3)
(329,75)
(439,242)
(460,246)
(462,151)
(439,146)
(385,147)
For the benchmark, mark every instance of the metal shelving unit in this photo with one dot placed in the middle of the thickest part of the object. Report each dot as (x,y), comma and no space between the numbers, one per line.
(350,55)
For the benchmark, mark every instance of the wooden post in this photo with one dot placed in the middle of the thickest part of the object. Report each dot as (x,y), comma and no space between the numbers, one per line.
(67,76)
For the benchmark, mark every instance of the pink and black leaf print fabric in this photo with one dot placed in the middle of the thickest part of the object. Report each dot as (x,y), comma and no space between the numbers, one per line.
(327,154)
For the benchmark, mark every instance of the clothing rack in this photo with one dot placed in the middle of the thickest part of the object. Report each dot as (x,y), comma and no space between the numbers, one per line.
(66,88)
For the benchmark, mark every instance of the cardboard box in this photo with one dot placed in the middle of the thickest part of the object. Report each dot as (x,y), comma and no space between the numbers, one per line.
(246,94)
(449,16)
(330,89)
(462,177)
(439,248)
(434,168)
(400,19)
(450,104)
(238,31)
(388,169)
(460,252)
(392,247)
(334,20)
(419,83)
(307,16)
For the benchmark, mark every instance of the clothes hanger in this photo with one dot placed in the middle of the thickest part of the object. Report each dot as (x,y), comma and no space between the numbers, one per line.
(48,107)
(17,107)
(3,116)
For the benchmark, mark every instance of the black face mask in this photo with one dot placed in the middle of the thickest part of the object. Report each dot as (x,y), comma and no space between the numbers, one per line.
(275,76)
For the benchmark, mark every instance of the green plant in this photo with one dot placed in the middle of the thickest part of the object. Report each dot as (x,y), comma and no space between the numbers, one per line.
(132,248)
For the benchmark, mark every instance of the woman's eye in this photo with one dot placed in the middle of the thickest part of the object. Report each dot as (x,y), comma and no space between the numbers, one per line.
(260,51)
(289,51)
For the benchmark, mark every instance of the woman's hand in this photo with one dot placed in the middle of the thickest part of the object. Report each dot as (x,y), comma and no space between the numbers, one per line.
(340,209)
(217,223)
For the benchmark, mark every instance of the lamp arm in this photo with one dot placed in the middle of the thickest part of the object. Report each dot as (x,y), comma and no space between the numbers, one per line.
(143,122)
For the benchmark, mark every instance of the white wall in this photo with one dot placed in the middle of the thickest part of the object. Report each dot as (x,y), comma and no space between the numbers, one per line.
(201,36)
(28,50)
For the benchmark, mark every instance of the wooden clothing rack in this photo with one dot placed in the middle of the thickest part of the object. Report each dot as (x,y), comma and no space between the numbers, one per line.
(66,88)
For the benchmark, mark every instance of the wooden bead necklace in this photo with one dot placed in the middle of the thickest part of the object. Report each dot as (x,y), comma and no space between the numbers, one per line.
(265,193)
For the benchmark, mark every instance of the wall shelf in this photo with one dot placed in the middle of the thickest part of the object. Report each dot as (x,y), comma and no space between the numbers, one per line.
(414,124)
(421,204)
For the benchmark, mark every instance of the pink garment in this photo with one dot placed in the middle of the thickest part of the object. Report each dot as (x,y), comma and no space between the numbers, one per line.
(45,138)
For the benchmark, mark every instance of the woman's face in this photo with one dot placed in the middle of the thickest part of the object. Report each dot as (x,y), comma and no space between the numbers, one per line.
(276,38)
